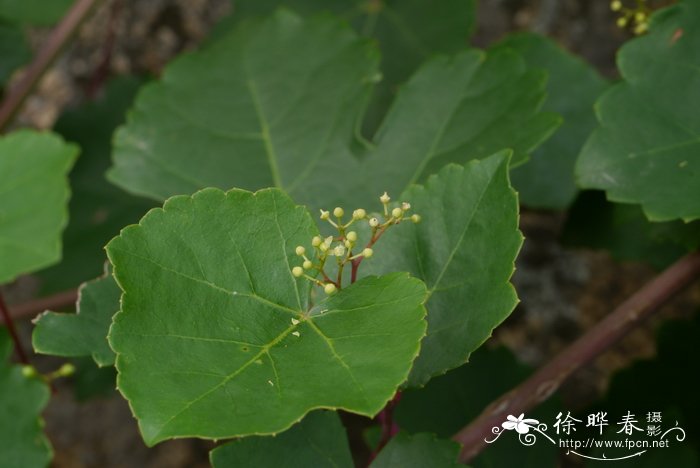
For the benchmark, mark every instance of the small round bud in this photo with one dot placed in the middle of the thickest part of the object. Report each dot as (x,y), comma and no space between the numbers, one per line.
(351,236)
(639,17)
(300,250)
(385,198)
(374,222)
(297,271)
(405,206)
(367,252)
(621,22)
(397,212)
(325,215)
(29,371)
(66,370)
(307,264)
(641,28)
(338,212)
(616,5)
(348,244)
(415,218)
(359,214)
(316,241)
(323,247)
(329,288)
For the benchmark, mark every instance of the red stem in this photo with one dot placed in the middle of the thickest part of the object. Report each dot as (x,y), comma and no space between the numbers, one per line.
(30,309)
(386,422)
(55,42)
(607,332)
(7,319)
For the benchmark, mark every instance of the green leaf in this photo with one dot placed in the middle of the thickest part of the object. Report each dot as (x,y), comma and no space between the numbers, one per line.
(626,233)
(417,451)
(319,440)
(83,333)
(464,250)
(33,200)
(14,50)
(448,402)
(547,180)
(208,342)
(98,210)
(407,31)
(277,103)
(35,12)
(22,399)
(646,150)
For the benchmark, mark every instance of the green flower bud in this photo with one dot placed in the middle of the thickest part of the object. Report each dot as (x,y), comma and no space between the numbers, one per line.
(621,22)
(300,250)
(338,212)
(316,241)
(359,214)
(374,222)
(351,236)
(307,264)
(29,371)
(415,218)
(297,271)
(329,288)
(367,252)
(397,212)
(616,5)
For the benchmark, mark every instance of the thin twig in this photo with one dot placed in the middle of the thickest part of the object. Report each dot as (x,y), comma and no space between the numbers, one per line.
(56,41)
(549,378)
(7,321)
(29,310)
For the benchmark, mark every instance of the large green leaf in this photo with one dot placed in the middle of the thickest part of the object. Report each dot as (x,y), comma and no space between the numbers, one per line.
(418,451)
(317,441)
(407,31)
(647,148)
(216,338)
(464,250)
(448,402)
(84,333)
(547,180)
(22,399)
(14,50)
(98,210)
(33,198)
(277,103)
(37,12)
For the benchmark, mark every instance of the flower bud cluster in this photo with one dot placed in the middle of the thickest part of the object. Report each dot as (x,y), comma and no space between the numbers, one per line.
(343,247)
(637,17)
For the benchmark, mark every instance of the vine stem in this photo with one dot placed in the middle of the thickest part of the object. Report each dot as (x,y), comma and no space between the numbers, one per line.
(30,309)
(7,319)
(55,42)
(607,332)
